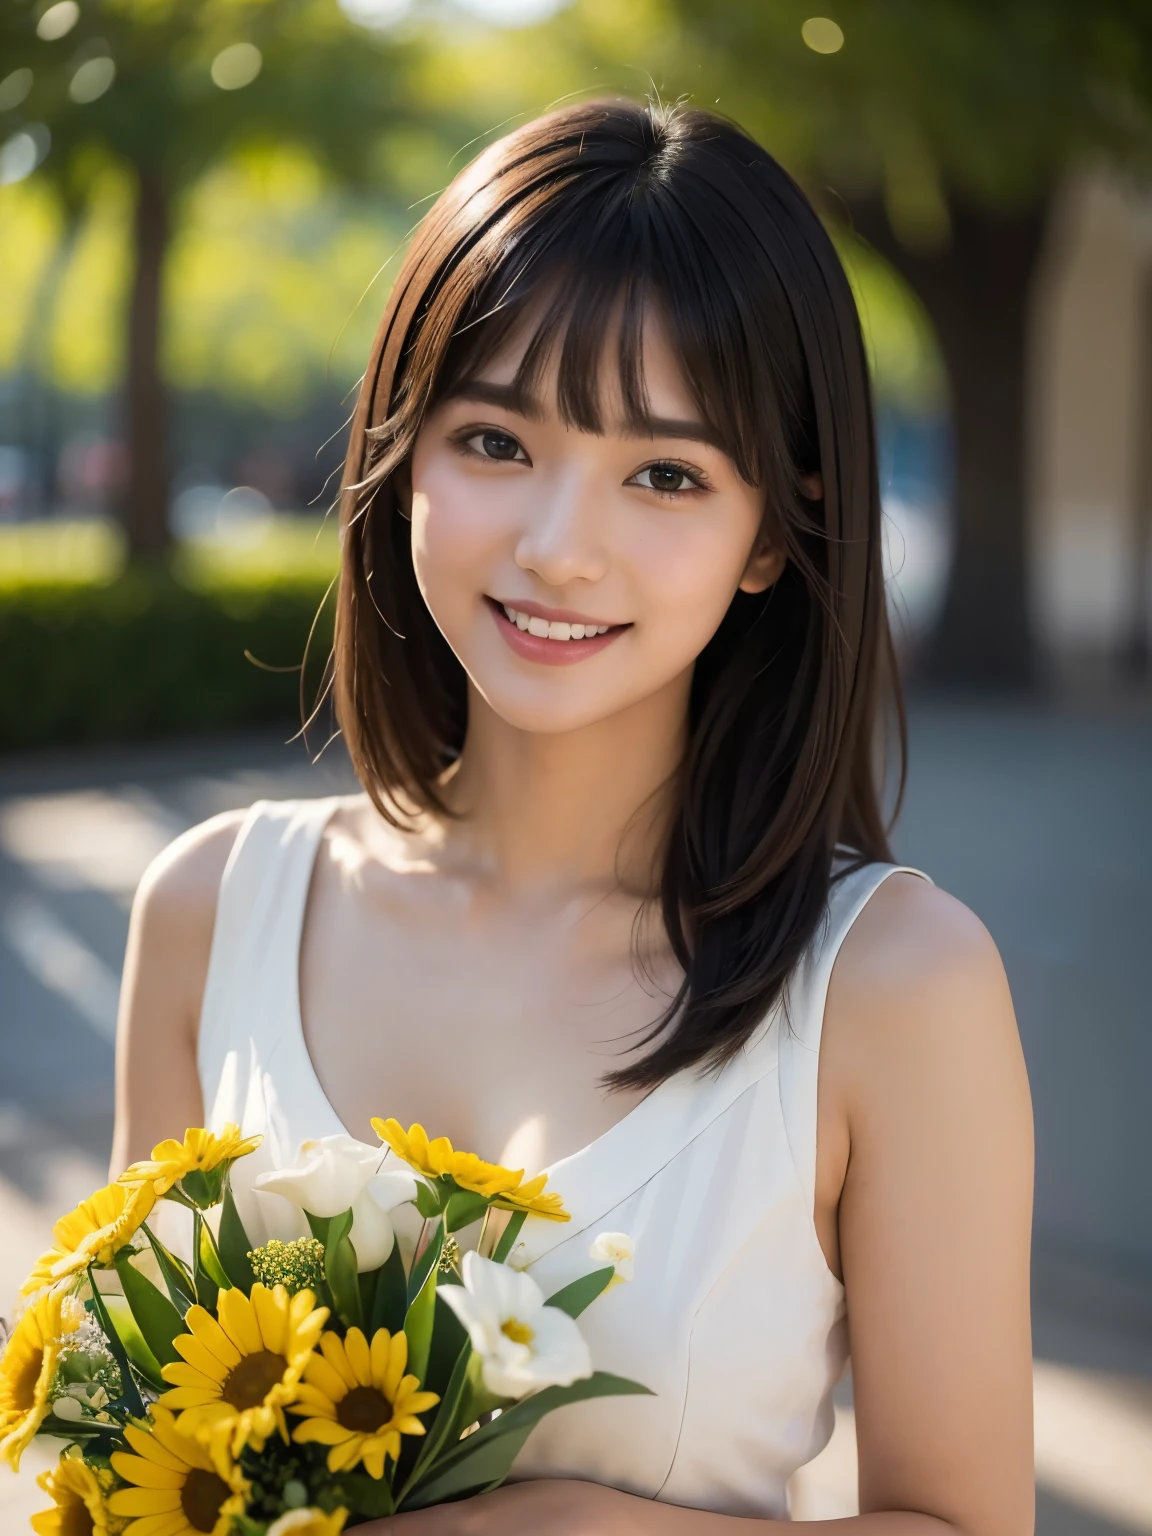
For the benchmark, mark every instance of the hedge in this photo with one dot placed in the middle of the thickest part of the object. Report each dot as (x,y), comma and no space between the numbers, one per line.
(155,651)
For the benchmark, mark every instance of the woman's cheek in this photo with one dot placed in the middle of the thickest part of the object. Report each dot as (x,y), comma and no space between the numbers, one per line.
(690,574)
(454,539)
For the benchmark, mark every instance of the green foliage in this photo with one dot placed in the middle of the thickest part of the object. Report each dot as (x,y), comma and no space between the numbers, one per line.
(156,1317)
(155,652)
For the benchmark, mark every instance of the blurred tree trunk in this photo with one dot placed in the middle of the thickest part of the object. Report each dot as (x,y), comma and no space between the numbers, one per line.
(976,291)
(146,494)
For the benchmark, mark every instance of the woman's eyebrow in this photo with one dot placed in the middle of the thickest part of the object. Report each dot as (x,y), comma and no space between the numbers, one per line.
(512,397)
(509,397)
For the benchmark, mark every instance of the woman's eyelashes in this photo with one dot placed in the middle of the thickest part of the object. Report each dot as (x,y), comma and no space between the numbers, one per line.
(666,477)
(491,443)
(669,479)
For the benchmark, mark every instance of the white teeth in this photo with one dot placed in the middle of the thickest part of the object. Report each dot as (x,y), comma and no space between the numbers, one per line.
(557,630)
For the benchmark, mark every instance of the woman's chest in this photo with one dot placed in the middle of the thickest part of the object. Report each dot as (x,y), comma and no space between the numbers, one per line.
(490,1027)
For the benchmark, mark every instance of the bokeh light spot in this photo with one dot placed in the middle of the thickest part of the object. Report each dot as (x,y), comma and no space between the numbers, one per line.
(822,35)
(22,153)
(14,88)
(58,20)
(92,79)
(237,66)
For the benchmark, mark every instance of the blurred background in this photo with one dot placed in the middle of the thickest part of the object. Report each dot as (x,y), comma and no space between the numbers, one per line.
(202,203)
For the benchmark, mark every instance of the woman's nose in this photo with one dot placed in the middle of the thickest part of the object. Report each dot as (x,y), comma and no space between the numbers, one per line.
(560,541)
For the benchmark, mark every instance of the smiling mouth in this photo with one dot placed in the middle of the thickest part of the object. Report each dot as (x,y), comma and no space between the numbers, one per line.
(553,629)
(541,639)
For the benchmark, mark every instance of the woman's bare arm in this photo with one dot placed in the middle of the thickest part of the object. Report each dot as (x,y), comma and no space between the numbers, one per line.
(169,940)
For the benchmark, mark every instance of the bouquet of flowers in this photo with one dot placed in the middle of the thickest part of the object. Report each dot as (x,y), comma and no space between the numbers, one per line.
(301,1386)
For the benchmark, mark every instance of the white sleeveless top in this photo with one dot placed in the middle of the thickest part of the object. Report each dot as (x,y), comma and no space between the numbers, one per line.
(733,1318)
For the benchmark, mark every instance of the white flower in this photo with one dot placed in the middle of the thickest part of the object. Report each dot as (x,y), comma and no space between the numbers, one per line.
(615,1248)
(524,1344)
(338,1173)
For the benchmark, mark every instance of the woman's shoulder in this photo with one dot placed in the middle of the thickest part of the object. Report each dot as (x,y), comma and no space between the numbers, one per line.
(918,995)
(184,879)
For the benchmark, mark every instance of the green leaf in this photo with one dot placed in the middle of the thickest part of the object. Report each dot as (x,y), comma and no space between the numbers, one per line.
(464,1208)
(485,1458)
(391,1300)
(234,1245)
(509,1235)
(427,1200)
(448,1423)
(181,1290)
(448,1338)
(427,1261)
(155,1316)
(207,1286)
(129,1392)
(340,1270)
(422,1308)
(581,1293)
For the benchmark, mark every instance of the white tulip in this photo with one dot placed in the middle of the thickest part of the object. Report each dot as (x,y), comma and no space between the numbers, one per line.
(615,1248)
(523,1343)
(339,1173)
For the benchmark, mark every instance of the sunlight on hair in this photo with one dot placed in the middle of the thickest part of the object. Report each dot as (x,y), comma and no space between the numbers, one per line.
(236,66)
(822,35)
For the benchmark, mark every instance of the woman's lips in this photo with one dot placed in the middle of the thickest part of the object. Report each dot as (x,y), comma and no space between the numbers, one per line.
(554,653)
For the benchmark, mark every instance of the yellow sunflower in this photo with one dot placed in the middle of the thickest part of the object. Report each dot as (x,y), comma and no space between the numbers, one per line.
(179,1488)
(80,1508)
(356,1399)
(438,1159)
(200,1151)
(27,1367)
(91,1234)
(237,1374)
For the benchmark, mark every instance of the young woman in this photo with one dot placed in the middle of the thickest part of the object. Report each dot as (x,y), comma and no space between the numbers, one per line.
(617,902)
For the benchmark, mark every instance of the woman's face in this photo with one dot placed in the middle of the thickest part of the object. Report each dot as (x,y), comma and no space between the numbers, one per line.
(576,574)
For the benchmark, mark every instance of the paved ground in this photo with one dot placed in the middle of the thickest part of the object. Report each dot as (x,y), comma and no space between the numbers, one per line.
(1039,818)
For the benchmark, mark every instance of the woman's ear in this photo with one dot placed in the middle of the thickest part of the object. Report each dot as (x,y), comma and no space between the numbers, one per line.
(813,486)
(763,568)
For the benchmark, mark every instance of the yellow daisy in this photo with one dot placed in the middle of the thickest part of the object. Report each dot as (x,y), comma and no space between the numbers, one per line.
(179,1488)
(237,1374)
(200,1151)
(80,1508)
(438,1159)
(356,1399)
(309,1522)
(91,1234)
(529,1197)
(27,1367)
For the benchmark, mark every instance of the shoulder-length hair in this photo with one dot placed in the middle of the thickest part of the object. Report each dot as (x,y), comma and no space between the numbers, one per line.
(593,212)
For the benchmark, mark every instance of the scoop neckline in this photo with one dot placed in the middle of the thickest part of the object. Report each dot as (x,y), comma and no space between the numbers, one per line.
(636,1131)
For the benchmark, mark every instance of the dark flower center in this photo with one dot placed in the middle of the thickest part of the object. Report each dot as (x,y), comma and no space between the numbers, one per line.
(201,1498)
(252,1380)
(24,1386)
(364,1410)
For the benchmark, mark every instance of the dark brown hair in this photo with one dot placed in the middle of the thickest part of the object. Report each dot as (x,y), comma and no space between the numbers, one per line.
(592,212)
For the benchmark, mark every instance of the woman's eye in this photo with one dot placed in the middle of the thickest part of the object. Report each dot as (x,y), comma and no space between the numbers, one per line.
(666,478)
(497,445)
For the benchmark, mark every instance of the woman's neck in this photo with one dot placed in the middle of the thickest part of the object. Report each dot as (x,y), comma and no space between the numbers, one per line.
(588,807)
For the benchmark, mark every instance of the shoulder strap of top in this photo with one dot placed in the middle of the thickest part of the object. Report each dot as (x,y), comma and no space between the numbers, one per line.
(802,1020)
(254,960)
